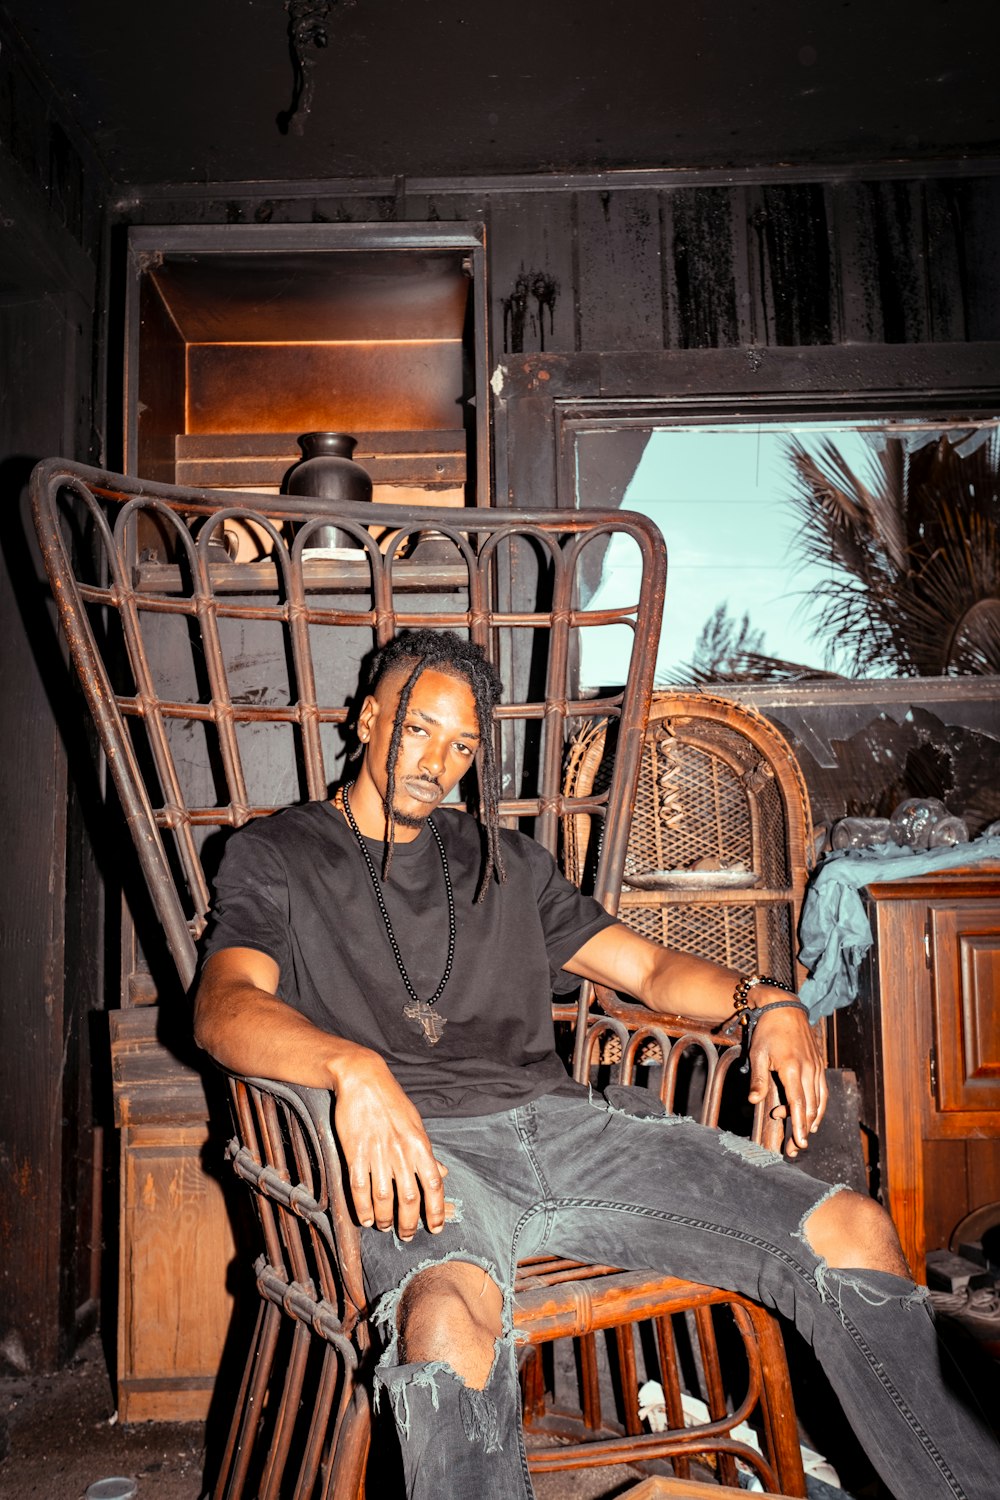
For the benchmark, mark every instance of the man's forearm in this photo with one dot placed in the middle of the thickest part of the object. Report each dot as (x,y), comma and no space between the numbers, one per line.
(663,979)
(252,1032)
(689,986)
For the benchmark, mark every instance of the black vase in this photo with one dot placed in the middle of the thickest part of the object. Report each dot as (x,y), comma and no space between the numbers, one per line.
(327,472)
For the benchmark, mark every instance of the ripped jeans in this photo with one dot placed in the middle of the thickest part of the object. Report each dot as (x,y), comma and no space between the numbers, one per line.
(614,1180)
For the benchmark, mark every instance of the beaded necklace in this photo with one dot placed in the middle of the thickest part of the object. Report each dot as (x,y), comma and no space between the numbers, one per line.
(420,1011)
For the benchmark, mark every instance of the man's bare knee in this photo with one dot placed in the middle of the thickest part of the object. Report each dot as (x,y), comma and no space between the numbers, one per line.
(452,1312)
(849,1230)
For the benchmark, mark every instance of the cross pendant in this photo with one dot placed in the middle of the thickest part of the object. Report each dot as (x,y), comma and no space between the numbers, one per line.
(427,1018)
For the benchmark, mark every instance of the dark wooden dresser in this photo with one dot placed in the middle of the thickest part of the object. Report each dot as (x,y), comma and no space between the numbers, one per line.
(923,1038)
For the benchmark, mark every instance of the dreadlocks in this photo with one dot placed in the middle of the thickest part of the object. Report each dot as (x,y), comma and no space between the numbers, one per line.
(444,652)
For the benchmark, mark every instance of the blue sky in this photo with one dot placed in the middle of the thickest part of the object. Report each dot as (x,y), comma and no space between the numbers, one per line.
(721,497)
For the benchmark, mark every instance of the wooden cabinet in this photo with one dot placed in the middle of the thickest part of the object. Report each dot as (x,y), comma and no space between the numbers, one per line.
(176,1238)
(924,1040)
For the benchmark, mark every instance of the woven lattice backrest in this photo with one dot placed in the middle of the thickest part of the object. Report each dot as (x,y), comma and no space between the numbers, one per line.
(221,688)
(718,786)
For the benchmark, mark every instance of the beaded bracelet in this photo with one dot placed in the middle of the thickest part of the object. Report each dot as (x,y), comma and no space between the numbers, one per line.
(747,982)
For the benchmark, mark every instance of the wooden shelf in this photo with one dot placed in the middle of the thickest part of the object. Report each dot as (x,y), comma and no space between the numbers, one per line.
(432,460)
(320,576)
(719,895)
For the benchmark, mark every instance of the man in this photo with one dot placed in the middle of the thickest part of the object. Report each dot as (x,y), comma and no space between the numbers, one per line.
(403,956)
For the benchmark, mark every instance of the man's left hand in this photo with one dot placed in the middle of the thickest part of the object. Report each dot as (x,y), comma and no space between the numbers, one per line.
(783,1044)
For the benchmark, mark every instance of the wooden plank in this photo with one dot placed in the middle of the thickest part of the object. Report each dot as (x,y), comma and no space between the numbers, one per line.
(37,415)
(838,371)
(620,285)
(149,1084)
(659,1488)
(979,206)
(982,1173)
(158,410)
(431,471)
(447,205)
(176,1241)
(946,1190)
(790,245)
(320,576)
(944,262)
(432,458)
(322,387)
(531,457)
(699,262)
(532,275)
(206,445)
(856,263)
(905,1096)
(901,262)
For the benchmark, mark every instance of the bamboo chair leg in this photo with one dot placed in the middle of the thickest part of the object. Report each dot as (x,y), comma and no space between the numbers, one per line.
(234,1434)
(249,1414)
(715,1387)
(590,1385)
(319,1424)
(629,1380)
(670,1377)
(288,1406)
(776,1402)
(346,1476)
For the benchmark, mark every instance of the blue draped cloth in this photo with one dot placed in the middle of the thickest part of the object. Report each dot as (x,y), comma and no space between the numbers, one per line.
(834,933)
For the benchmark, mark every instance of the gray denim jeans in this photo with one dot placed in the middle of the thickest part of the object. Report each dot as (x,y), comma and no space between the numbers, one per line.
(612,1179)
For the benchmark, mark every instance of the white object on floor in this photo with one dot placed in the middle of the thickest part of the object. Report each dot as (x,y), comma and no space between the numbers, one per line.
(653,1410)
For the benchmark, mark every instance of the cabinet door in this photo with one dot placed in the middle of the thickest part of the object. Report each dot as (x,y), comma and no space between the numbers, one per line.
(965,960)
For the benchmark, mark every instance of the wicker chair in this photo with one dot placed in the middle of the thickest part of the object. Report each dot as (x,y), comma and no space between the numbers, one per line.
(168,637)
(718,785)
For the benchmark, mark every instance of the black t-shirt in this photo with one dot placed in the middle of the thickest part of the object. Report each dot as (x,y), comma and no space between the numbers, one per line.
(295,886)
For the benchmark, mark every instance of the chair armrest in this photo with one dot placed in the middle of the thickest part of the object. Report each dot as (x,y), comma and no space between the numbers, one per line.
(640,1031)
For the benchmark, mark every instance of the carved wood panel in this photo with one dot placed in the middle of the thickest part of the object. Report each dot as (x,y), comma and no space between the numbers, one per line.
(965,953)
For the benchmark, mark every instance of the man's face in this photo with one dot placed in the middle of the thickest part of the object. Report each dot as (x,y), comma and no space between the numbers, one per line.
(439,739)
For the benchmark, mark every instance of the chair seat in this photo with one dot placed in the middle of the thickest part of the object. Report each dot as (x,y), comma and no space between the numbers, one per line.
(556,1298)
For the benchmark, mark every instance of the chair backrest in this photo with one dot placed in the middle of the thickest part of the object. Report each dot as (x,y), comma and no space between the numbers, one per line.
(220,688)
(718,785)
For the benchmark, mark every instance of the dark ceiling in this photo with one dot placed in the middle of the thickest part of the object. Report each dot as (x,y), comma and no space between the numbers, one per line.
(189,90)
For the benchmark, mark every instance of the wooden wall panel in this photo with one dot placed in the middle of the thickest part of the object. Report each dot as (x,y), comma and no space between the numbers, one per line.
(44,1246)
(533,275)
(699,253)
(447,207)
(175,1313)
(620,260)
(902,261)
(790,246)
(983,1171)
(947,1193)
(978,202)
(51,188)
(945,279)
(856,278)
(156,411)
(886,260)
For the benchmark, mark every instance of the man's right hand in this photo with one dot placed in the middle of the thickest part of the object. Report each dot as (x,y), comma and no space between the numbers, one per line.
(390,1162)
(246,1026)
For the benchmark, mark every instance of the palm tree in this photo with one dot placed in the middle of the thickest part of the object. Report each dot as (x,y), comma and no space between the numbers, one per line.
(732,651)
(915,545)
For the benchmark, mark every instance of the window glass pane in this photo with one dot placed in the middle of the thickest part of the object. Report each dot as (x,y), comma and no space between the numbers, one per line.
(734,510)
